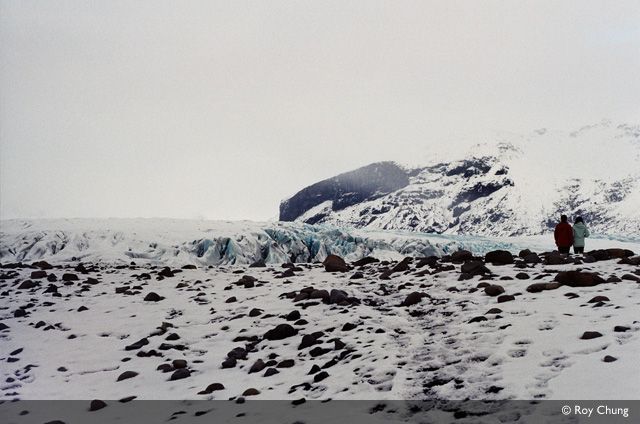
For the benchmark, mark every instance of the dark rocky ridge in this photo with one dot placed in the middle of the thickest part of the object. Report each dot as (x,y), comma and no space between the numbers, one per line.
(347,189)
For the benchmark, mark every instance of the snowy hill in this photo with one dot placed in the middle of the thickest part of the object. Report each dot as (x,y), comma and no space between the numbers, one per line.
(508,185)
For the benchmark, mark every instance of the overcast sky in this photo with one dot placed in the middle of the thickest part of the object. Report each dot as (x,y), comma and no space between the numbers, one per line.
(221,109)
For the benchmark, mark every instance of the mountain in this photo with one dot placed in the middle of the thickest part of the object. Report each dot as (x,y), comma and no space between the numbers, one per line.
(503,185)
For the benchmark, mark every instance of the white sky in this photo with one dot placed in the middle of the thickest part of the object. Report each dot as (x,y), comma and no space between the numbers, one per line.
(221,109)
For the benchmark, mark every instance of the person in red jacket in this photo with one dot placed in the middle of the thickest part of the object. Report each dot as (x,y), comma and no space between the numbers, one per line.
(563,235)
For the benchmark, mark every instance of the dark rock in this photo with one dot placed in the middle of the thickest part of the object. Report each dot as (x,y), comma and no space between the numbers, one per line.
(270,371)
(153,297)
(365,261)
(251,392)
(179,374)
(320,294)
(334,263)
(255,312)
(43,265)
(179,363)
(493,311)
(609,358)
(293,316)
(506,298)
(494,290)
(461,256)
(621,329)
(96,405)
(38,274)
(282,331)
(166,272)
(257,366)
(308,340)
(258,264)
(69,277)
(475,268)
(349,326)
(231,300)
(578,278)
(237,353)
(477,319)
(27,284)
(413,299)
(137,345)
(403,265)
(588,335)
(318,351)
(522,276)
(320,376)
(337,296)
(532,258)
(287,363)
(556,258)
(631,277)
(212,388)
(229,363)
(597,299)
(127,374)
(538,287)
(499,257)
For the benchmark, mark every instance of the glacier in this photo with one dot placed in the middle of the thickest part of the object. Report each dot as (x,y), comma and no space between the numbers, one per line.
(179,242)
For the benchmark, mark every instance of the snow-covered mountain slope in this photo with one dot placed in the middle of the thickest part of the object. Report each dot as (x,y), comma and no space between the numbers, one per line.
(178,242)
(504,185)
(427,331)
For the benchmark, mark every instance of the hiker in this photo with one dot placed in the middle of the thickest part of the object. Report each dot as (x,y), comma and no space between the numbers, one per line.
(580,231)
(563,235)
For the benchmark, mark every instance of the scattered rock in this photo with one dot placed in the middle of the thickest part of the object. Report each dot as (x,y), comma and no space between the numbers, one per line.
(499,257)
(538,287)
(588,335)
(413,299)
(212,388)
(334,263)
(127,374)
(96,405)
(257,366)
(494,290)
(179,374)
(153,297)
(251,392)
(475,268)
(578,278)
(281,331)
(506,298)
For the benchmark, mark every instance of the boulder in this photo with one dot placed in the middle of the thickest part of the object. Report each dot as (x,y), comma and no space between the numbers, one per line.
(556,258)
(532,258)
(588,335)
(538,287)
(334,263)
(475,268)
(461,256)
(579,278)
(281,331)
(413,299)
(337,296)
(494,290)
(365,261)
(499,257)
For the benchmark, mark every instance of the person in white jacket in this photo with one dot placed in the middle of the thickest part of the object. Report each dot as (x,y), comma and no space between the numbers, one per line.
(580,232)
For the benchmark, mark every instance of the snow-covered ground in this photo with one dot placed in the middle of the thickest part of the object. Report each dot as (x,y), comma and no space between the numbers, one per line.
(77,343)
